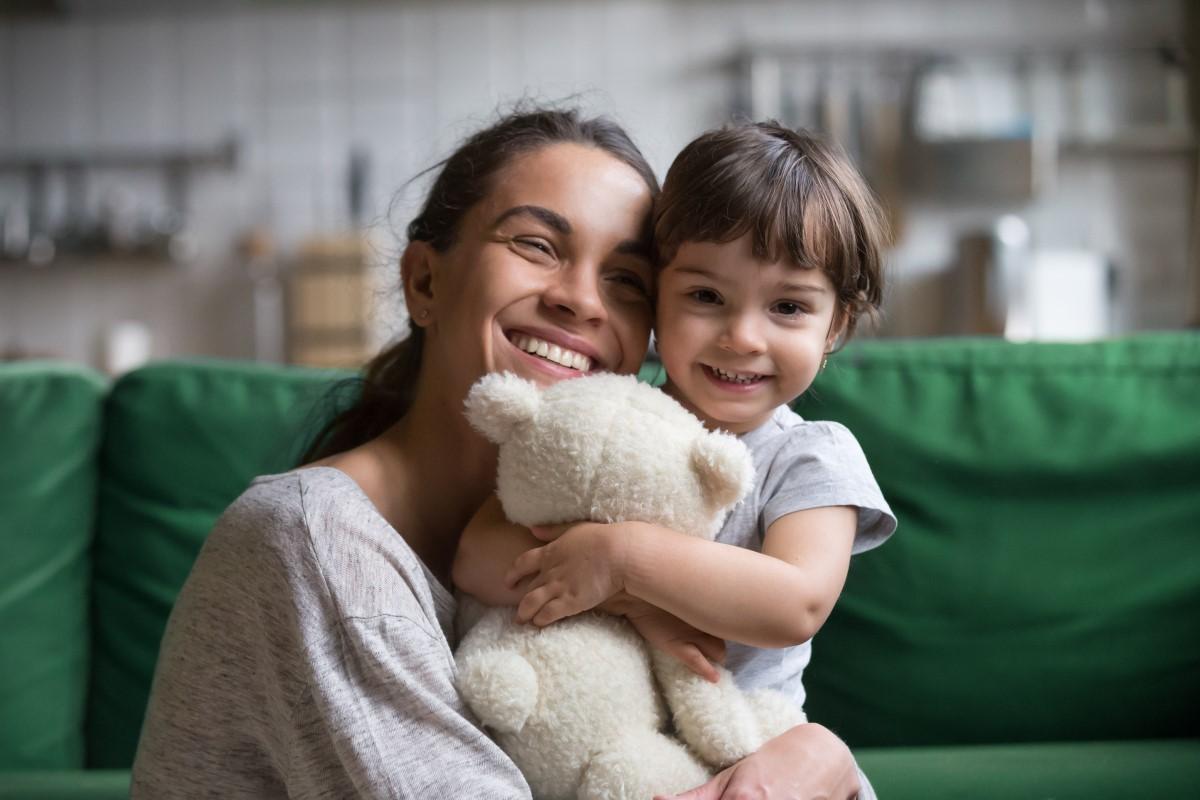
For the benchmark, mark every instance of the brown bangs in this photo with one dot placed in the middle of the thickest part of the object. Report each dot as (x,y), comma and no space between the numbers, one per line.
(797,196)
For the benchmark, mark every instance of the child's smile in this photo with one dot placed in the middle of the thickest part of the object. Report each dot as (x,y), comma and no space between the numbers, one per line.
(739,336)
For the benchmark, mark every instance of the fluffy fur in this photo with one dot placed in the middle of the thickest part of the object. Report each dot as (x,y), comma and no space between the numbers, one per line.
(583,707)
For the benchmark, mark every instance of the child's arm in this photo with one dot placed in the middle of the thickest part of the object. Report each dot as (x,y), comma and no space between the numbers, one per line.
(486,550)
(775,598)
(490,544)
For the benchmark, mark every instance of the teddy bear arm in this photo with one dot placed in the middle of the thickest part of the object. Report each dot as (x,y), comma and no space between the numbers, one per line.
(500,686)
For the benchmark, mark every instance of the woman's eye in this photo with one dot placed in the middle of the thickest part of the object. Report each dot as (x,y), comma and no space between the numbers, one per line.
(633,281)
(532,243)
(706,296)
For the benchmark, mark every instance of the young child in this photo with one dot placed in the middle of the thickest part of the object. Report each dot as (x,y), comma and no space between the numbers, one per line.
(770,249)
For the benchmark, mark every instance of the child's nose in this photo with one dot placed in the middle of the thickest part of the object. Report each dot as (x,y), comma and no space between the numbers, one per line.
(744,335)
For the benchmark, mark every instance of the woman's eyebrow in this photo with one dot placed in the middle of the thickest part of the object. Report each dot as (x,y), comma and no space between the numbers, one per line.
(555,220)
(636,247)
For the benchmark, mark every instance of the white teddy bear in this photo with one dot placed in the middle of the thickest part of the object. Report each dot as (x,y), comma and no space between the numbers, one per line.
(579,705)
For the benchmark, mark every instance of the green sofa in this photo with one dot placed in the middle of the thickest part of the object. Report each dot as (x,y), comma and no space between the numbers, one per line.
(1032,631)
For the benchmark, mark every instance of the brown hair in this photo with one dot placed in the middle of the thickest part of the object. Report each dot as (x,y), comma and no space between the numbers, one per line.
(388,382)
(796,194)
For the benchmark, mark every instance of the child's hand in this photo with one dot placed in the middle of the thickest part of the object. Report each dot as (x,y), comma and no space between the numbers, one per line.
(696,649)
(574,573)
(548,533)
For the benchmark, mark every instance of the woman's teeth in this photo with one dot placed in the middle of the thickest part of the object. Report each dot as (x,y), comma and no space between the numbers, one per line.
(736,377)
(552,352)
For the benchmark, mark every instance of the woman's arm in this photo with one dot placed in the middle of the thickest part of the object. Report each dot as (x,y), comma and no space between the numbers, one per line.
(486,550)
(804,763)
(775,598)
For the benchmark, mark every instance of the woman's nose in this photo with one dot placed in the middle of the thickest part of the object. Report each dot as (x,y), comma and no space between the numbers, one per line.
(575,289)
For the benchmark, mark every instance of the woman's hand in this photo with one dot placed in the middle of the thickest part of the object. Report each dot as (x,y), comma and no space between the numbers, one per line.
(575,572)
(695,648)
(804,763)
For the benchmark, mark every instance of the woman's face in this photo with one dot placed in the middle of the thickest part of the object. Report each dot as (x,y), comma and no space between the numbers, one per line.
(549,276)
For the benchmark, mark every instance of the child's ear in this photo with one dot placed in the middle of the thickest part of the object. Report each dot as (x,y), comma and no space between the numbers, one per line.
(416,276)
(837,326)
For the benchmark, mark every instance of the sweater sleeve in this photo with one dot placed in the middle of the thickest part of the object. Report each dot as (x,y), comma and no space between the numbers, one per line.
(305,659)
(380,718)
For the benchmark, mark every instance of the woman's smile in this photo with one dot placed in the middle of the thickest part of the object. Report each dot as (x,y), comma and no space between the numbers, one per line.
(549,347)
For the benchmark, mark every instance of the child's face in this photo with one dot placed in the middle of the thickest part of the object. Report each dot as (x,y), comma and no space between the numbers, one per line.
(738,336)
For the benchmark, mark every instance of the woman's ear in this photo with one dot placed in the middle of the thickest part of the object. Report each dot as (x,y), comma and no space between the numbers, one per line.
(416,275)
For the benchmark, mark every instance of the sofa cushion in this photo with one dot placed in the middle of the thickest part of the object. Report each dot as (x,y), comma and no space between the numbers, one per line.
(50,422)
(1065,771)
(183,439)
(1043,584)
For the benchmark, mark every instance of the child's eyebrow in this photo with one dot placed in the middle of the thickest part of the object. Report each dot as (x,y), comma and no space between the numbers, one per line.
(701,271)
(552,218)
(803,287)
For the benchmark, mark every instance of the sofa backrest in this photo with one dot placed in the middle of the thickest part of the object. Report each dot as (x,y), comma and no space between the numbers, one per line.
(182,440)
(1044,583)
(50,424)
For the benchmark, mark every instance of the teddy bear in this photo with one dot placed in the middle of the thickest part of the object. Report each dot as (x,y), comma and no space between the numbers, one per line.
(583,706)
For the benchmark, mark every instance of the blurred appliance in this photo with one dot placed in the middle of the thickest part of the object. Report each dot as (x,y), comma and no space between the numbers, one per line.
(127,345)
(1069,296)
(1002,285)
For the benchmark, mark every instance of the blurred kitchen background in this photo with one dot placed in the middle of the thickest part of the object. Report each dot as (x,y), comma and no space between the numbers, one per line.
(229,178)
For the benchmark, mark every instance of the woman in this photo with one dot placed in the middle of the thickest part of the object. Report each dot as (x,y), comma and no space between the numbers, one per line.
(309,653)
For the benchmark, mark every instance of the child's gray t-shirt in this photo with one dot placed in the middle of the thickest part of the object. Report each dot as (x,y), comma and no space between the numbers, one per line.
(309,655)
(799,465)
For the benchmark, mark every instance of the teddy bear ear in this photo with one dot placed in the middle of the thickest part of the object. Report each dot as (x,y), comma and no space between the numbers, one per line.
(499,402)
(724,467)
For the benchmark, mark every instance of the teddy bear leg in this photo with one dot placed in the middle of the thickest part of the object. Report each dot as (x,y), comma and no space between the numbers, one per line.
(640,765)
(717,720)
(776,712)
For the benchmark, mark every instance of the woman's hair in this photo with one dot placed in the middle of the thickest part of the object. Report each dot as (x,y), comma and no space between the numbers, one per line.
(797,196)
(388,383)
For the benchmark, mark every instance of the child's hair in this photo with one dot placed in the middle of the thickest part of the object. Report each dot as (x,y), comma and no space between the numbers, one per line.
(796,194)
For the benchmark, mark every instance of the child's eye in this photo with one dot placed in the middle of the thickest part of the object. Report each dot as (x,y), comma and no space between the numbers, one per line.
(707,296)
(790,309)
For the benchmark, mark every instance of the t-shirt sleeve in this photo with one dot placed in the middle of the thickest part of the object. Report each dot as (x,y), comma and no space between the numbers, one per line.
(820,465)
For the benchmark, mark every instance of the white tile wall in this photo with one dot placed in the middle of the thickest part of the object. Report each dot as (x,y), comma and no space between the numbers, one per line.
(302,83)
(53,101)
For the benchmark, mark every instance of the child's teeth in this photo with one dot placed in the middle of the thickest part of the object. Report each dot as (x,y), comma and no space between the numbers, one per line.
(734,377)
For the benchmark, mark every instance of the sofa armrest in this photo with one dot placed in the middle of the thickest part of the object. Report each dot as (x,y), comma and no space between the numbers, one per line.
(92,784)
(1062,770)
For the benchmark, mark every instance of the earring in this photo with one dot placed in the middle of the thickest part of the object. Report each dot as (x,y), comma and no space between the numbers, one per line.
(824,362)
